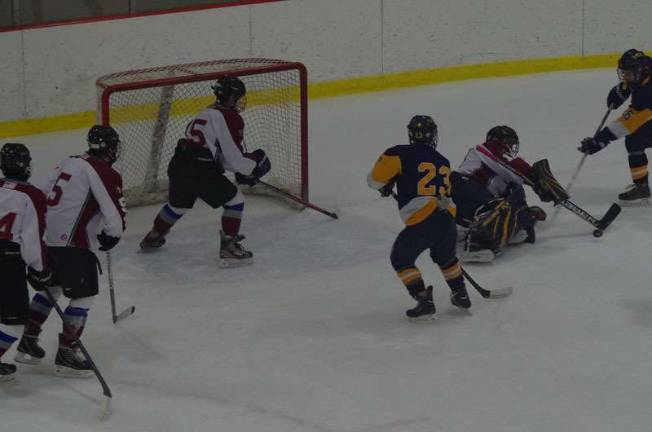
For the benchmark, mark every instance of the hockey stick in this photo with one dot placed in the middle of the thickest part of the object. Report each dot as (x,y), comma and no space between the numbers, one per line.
(579,166)
(125,313)
(488,294)
(105,406)
(300,201)
(599,224)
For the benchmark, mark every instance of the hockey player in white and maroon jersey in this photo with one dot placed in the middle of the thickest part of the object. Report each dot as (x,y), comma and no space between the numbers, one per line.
(487,189)
(22,225)
(85,207)
(212,144)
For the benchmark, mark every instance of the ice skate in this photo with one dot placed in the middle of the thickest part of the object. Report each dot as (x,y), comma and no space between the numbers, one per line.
(71,363)
(425,308)
(153,240)
(460,298)
(637,194)
(29,351)
(7,372)
(232,253)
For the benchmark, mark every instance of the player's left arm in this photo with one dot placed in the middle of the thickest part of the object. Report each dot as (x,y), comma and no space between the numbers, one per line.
(32,230)
(106,187)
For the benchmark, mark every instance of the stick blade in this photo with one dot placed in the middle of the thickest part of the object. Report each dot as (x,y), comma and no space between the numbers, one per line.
(124,314)
(105,408)
(501,292)
(609,217)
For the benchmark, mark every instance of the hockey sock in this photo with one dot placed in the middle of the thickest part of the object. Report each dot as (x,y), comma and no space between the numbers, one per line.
(413,281)
(232,215)
(167,217)
(39,310)
(453,274)
(8,335)
(638,167)
(75,317)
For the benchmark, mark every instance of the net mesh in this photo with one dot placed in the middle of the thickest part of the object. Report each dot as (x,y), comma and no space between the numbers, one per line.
(151,108)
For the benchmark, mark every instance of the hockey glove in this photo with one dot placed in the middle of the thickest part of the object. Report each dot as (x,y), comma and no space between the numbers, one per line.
(245,179)
(107,242)
(263,165)
(590,145)
(39,280)
(386,190)
(617,95)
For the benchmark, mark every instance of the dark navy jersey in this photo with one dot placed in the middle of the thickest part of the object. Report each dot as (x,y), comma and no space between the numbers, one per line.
(421,176)
(638,113)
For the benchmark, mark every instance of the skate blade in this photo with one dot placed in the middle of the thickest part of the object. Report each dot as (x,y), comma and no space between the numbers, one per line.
(26,359)
(422,318)
(7,378)
(643,202)
(67,372)
(234,262)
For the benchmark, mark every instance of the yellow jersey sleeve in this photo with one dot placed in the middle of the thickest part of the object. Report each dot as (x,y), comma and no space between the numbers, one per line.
(385,169)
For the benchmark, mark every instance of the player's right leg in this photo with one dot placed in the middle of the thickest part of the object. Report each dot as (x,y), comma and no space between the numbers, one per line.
(443,253)
(181,198)
(409,244)
(77,272)
(14,301)
(638,193)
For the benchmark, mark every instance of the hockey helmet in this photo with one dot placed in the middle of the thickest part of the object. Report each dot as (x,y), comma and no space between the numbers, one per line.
(505,135)
(104,143)
(15,161)
(422,129)
(230,92)
(634,67)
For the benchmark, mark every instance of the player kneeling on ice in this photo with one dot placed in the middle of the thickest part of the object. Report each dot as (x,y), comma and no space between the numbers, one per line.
(213,143)
(22,225)
(635,123)
(488,193)
(84,207)
(420,174)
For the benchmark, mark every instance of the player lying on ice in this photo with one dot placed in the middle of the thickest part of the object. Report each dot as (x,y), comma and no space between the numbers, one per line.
(487,190)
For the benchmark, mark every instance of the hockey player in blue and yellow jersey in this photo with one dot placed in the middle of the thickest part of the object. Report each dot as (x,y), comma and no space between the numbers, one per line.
(635,123)
(420,174)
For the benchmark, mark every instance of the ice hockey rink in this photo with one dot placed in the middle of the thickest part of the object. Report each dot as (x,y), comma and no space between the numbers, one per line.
(313,336)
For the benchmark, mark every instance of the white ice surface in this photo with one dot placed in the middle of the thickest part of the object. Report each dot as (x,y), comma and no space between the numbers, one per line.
(313,337)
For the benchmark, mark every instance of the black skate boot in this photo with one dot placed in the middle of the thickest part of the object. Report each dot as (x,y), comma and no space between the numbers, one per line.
(70,362)
(7,372)
(29,351)
(232,253)
(460,298)
(425,307)
(153,240)
(637,194)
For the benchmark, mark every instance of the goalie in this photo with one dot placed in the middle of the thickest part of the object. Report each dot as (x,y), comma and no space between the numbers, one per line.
(488,192)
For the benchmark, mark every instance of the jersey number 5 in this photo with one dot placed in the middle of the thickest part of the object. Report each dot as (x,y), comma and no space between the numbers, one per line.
(55,194)
(425,188)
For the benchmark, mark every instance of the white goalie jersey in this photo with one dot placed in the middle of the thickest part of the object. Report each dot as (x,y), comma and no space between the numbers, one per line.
(84,198)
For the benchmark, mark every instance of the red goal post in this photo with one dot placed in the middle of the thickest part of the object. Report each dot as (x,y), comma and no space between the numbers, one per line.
(150,109)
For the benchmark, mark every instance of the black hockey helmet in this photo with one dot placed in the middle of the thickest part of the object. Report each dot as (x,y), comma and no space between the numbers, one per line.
(505,135)
(104,143)
(15,161)
(422,129)
(634,67)
(230,92)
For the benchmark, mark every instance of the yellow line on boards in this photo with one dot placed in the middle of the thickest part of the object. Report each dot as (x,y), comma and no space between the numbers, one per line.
(352,86)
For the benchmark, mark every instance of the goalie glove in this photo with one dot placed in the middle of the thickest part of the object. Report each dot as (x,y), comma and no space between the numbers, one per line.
(545,185)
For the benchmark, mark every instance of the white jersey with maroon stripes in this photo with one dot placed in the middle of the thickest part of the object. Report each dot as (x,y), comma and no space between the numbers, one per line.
(84,198)
(221,131)
(22,220)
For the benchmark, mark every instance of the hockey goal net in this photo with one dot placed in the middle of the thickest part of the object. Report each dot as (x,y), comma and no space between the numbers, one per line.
(150,109)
